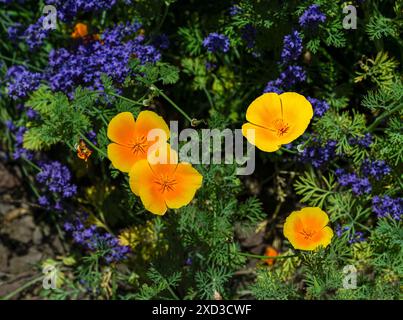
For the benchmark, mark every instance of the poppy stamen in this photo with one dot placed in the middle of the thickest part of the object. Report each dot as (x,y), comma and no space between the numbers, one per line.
(281,127)
(166,183)
(140,145)
(307,234)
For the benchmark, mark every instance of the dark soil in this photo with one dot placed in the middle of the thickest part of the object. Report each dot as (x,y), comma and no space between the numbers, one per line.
(25,240)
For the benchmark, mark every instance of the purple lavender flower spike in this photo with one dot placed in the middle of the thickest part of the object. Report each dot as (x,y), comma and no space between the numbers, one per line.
(312,17)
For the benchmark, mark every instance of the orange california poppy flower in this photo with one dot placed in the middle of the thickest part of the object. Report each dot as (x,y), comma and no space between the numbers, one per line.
(164,185)
(270,252)
(277,119)
(307,229)
(80,31)
(129,137)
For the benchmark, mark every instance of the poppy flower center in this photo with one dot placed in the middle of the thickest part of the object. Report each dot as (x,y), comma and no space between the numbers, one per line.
(307,234)
(165,183)
(281,127)
(140,145)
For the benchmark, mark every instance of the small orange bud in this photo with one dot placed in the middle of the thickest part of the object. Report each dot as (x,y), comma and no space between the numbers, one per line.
(270,252)
(80,31)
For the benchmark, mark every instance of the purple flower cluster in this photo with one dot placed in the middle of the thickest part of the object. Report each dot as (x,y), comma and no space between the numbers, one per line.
(35,34)
(117,34)
(311,17)
(20,81)
(57,179)
(249,35)
(273,86)
(387,206)
(111,57)
(14,32)
(161,41)
(376,169)
(288,78)
(319,106)
(11,1)
(291,74)
(216,42)
(68,9)
(210,65)
(292,47)
(19,150)
(319,155)
(85,65)
(31,113)
(358,236)
(92,136)
(234,10)
(93,240)
(358,185)
(10,125)
(364,142)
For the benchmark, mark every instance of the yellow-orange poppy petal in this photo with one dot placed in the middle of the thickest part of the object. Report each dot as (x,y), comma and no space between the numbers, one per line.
(187,181)
(141,169)
(142,183)
(122,156)
(152,201)
(264,110)
(324,237)
(292,226)
(264,139)
(313,217)
(121,128)
(147,121)
(297,114)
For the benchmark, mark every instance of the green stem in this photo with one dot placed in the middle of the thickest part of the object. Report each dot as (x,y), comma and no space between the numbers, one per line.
(383,116)
(250,255)
(71,146)
(289,151)
(34,190)
(103,119)
(123,98)
(20,62)
(103,220)
(22,288)
(210,100)
(172,293)
(100,113)
(33,165)
(305,143)
(172,103)
(164,16)
(141,211)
